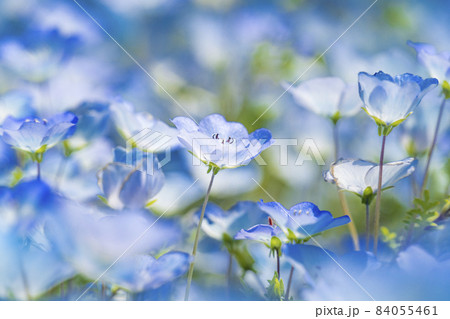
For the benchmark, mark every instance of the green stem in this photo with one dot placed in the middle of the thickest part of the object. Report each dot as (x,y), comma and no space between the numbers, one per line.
(367,225)
(289,284)
(433,144)
(278,263)
(378,202)
(197,234)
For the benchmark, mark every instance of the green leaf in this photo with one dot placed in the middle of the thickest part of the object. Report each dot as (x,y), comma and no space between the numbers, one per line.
(275,291)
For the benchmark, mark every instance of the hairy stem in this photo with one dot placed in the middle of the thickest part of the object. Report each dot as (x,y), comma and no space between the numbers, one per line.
(197,235)
(433,144)
(378,202)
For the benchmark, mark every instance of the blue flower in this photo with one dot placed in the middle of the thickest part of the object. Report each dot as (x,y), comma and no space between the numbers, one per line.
(302,221)
(299,223)
(35,135)
(221,144)
(361,177)
(330,97)
(437,64)
(132,180)
(390,100)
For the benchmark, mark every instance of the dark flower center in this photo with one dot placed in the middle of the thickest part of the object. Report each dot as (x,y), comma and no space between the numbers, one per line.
(229,140)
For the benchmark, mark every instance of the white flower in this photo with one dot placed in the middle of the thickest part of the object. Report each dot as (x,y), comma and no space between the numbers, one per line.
(361,177)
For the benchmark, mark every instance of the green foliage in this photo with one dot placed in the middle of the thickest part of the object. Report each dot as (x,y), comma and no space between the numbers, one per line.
(275,291)
(423,214)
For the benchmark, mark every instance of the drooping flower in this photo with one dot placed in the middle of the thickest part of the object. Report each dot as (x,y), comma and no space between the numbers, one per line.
(390,100)
(299,223)
(361,177)
(141,129)
(221,144)
(132,180)
(35,135)
(437,63)
(330,97)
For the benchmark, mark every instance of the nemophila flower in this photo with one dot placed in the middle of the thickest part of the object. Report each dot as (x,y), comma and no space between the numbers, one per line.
(141,129)
(221,144)
(361,177)
(37,55)
(390,100)
(143,272)
(330,97)
(36,135)
(299,223)
(132,180)
(303,220)
(437,63)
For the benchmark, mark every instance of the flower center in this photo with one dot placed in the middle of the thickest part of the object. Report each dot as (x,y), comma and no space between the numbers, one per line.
(229,140)
(36,120)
